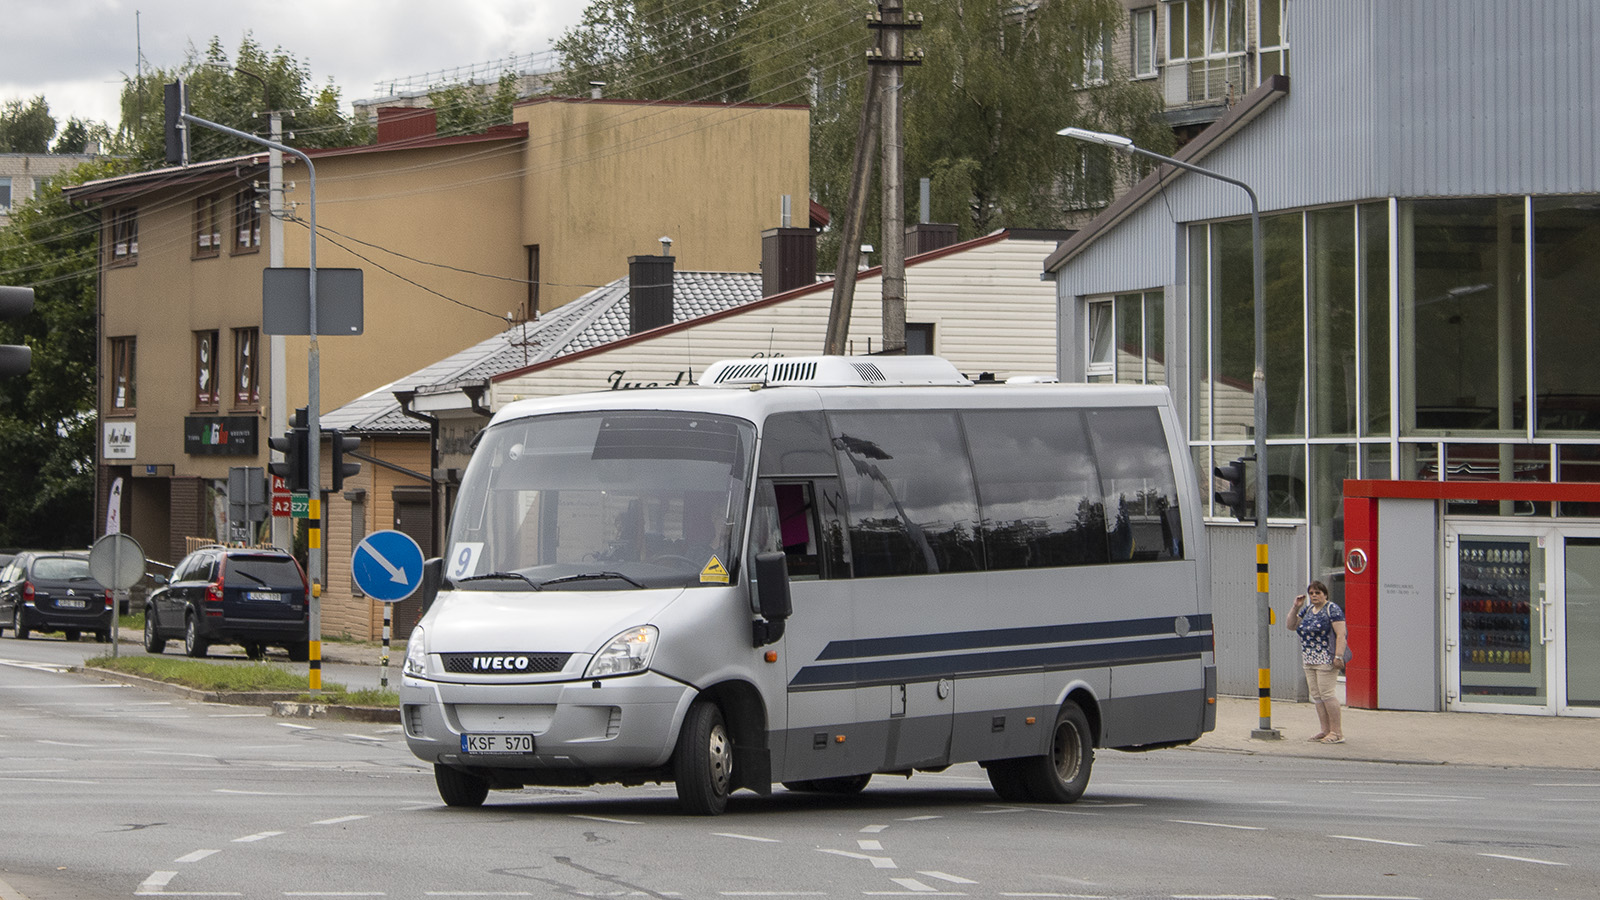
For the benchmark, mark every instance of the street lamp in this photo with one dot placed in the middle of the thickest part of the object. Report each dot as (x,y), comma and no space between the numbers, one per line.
(1263,610)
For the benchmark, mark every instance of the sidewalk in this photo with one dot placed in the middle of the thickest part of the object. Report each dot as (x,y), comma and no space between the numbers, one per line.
(1453,738)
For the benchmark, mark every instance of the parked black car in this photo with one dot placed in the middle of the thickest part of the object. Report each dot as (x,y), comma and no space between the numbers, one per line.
(229,595)
(53,591)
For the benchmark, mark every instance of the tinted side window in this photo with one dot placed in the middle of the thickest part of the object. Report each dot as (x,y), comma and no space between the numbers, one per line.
(912,508)
(1039,488)
(795,444)
(1141,493)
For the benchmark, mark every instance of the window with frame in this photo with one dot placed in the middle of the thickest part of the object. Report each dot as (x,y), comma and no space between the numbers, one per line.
(1208,38)
(1126,339)
(125,235)
(1095,53)
(5,193)
(207,226)
(246,222)
(124,386)
(1272,37)
(205,369)
(246,367)
(1142,38)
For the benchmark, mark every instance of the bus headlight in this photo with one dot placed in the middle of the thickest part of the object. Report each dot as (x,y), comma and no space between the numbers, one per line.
(416,654)
(627,652)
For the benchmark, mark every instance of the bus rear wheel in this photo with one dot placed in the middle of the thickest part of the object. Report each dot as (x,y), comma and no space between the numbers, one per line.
(1060,775)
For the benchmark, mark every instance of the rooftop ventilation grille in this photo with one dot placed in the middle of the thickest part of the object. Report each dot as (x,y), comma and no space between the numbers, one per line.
(834,371)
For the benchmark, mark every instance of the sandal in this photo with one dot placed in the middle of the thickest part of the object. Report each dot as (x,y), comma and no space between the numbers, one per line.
(1333,739)
(1315,738)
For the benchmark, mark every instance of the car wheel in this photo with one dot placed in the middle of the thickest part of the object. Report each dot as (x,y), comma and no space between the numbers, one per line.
(71,634)
(458,788)
(703,762)
(254,650)
(193,644)
(19,625)
(299,651)
(152,642)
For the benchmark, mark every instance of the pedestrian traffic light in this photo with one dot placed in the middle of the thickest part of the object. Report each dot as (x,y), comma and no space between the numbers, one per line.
(15,302)
(293,446)
(342,444)
(1235,477)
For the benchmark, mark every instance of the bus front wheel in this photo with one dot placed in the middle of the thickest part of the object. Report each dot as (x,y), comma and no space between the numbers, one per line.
(458,788)
(703,763)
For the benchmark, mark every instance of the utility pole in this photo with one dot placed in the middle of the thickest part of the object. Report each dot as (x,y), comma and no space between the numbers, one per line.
(893,23)
(278,403)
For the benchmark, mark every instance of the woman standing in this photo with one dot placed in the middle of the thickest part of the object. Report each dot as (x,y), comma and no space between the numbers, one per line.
(1322,641)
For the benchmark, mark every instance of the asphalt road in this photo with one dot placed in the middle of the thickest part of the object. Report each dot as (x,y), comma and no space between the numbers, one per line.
(116,791)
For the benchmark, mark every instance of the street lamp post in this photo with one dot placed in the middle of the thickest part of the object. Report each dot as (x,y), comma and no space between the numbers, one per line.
(1117,142)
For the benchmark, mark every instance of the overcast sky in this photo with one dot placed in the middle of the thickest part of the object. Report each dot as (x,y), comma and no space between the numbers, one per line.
(77,52)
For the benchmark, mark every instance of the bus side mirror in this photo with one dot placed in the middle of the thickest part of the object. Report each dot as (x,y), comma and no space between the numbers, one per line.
(772,597)
(432,576)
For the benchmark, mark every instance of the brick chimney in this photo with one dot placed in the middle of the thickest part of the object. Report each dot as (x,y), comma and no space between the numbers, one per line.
(650,291)
(406,123)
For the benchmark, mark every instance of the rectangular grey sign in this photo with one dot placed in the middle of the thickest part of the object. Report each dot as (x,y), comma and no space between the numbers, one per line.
(286,301)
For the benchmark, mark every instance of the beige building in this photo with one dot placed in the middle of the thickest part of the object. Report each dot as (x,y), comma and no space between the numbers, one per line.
(22,174)
(455,237)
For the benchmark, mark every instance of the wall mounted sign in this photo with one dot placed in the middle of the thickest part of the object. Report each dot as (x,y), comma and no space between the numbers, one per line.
(220,435)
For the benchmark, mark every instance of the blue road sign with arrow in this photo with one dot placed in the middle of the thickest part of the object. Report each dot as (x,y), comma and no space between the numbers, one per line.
(387,566)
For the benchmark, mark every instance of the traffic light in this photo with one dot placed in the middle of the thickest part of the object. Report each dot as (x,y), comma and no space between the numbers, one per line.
(293,447)
(342,444)
(15,302)
(1235,476)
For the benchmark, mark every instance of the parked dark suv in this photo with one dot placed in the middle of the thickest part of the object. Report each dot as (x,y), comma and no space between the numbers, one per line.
(229,595)
(53,592)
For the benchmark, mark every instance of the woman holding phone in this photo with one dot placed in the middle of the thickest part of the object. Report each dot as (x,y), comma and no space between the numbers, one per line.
(1322,644)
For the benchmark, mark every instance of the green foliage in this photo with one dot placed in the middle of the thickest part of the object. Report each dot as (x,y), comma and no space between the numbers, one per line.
(237,93)
(47,417)
(77,134)
(471,108)
(229,676)
(26,127)
(654,49)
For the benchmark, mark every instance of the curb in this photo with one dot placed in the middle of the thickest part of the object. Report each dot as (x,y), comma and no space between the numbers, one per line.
(283,704)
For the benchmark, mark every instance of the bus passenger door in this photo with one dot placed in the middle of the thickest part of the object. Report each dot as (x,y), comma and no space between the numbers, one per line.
(818,697)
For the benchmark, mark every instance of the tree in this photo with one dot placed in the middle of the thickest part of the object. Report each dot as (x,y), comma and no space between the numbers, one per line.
(998,80)
(47,418)
(78,134)
(468,108)
(235,93)
(26,128)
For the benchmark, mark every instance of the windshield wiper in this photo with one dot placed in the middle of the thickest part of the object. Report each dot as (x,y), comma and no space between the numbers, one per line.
(500,576)
(591,576)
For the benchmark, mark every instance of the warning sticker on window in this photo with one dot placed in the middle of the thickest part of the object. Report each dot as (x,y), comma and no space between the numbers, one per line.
(714,572)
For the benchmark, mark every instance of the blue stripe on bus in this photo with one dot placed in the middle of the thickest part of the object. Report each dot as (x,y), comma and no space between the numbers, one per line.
(998,662)
(1008,637)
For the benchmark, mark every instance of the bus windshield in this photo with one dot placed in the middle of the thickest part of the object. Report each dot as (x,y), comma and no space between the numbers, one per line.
(603,501)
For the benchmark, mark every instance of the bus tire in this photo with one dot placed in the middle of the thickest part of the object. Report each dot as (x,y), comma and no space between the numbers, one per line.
(702,765)
(1006,777)
(1062,774)
(848,784)
(458,788)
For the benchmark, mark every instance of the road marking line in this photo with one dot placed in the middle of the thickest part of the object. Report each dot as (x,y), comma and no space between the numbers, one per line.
(878,862)
(772,893)
(1419,796)
(250,793)
(49,780)
(911,884)
(1223,897)
(1526,859)
(1351,837)
(294,725)
(157,881)
(920,818)
(1040,894)
(187,894)
(196,856)
(477,893)
(953,879)
(1217,825)
(913,894)
(1364,897)
(745,837)
(1001,810)
(869,845)
(874,829)
(259,836)
(334,894)
(604,819)
(339,821)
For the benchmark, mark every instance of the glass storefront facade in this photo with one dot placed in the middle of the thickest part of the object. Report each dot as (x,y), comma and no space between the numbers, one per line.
(1434,339)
